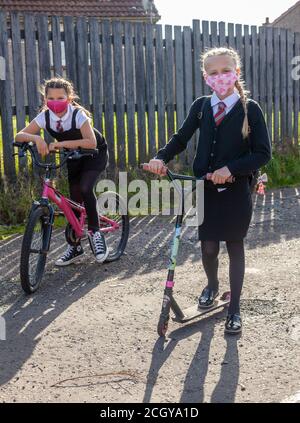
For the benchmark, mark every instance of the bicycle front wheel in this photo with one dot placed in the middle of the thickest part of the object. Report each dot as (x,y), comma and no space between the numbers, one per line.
(114,223)
(33,259)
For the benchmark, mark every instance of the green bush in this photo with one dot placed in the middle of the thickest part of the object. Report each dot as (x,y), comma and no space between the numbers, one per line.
(16,198)
(284,168)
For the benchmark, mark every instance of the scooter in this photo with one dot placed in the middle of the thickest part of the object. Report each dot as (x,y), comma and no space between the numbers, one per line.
(169,303)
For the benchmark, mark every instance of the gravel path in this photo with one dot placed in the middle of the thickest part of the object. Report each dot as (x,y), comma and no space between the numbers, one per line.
(89,333)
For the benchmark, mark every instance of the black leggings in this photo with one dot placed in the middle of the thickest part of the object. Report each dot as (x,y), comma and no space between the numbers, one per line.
(83,176)
(236,252)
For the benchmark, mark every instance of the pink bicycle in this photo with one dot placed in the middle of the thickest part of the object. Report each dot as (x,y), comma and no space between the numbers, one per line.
(37,237)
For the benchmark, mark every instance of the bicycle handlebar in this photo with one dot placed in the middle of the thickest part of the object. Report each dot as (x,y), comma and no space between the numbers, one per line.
(68,154)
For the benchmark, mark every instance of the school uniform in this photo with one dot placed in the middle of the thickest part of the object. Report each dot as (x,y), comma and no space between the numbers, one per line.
(71,123)
(227,207)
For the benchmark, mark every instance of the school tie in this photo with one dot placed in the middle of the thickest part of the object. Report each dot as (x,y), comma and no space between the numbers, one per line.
(59,127)
(221,113)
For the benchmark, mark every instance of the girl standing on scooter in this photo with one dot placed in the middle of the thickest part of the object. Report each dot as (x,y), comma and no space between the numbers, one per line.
(233,142)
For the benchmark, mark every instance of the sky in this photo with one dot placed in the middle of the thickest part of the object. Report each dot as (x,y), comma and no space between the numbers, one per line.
(251,12)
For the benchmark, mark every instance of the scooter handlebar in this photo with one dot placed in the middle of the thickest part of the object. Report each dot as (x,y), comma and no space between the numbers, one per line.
(172,176)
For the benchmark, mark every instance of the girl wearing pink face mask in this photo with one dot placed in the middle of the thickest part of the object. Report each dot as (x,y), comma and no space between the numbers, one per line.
(233,142)
(70,124)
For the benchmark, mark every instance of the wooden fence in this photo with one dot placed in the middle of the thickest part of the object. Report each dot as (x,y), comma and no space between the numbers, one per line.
(137,80)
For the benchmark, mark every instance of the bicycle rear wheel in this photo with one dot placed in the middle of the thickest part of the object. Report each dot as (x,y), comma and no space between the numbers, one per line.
(113,208)
(33,259)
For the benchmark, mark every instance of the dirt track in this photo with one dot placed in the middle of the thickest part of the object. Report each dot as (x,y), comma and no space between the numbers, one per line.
(89,334)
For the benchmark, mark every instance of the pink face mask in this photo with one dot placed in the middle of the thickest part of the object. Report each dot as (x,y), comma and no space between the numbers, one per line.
(222,83)
(57,106)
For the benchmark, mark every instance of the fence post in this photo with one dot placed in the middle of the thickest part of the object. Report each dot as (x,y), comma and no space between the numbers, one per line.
(270,79)
(70,49)
(290,95)
(160,87)
(130,97)
(118,77)
(108,93)
(140,89)
(5,102)
(283,85)
(18,78)
(296,90)
(276,73)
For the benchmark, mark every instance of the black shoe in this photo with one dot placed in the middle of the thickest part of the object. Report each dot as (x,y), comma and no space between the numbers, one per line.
(71,254)
(233,323)
(98,246)
(207,298)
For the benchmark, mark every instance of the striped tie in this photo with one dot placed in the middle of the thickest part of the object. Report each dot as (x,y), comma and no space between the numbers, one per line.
(219,116)
(59,127)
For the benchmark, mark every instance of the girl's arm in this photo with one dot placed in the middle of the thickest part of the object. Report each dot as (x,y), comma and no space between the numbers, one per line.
(179,141)
(261,149)
(88,140)
(29,134)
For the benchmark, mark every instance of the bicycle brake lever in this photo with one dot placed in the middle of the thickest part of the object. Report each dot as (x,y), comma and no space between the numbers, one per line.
(263,178)
(76,155)
(20,154)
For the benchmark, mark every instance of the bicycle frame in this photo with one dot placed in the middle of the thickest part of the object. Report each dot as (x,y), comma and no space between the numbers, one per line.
(42,214)
(68,206)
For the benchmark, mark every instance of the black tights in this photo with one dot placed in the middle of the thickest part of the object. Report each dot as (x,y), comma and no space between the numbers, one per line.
(236,252)
(82,191)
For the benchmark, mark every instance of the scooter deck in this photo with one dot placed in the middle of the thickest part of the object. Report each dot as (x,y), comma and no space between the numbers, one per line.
(194,311)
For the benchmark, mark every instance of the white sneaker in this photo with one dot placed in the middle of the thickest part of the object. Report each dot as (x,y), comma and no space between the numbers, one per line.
(98,246)
(71,254)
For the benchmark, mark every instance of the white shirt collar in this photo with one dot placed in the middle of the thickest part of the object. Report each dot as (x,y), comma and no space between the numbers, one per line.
(229,101)
(54,117)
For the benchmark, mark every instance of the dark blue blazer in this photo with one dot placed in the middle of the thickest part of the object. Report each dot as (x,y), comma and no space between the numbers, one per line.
(223,145)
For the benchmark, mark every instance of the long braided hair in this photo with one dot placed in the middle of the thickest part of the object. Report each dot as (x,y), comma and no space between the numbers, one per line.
(239,84)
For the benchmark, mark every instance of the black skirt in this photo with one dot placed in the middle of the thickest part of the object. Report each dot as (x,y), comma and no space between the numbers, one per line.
(227,214)
(98,162)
